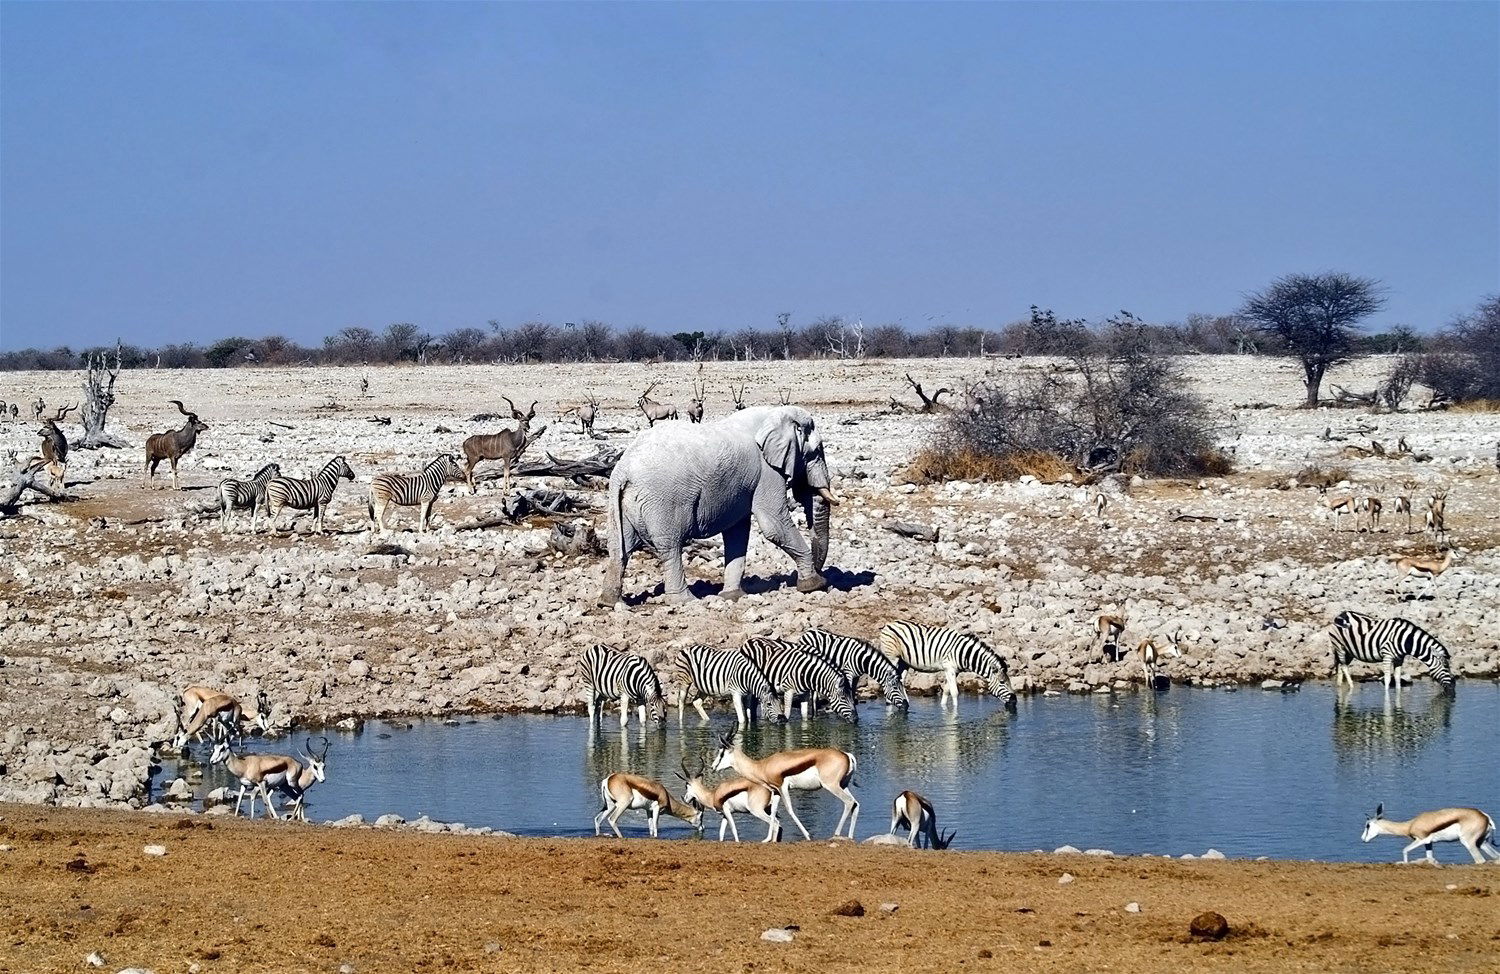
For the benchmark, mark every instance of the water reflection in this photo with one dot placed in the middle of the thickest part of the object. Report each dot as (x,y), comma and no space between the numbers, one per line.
(1391,722)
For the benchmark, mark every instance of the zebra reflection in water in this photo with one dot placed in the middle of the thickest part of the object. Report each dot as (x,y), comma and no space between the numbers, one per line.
(1391,726)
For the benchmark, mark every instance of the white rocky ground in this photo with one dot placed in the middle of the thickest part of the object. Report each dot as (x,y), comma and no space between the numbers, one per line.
(110,604)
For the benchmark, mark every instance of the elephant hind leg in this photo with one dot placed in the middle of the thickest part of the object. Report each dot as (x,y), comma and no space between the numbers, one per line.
(672,573)
(736,544)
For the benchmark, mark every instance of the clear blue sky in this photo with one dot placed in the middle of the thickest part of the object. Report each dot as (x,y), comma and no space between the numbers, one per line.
(187,171)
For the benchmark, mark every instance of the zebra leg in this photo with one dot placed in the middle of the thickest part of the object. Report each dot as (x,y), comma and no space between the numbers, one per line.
(787,697)
(624,709)
(681,705)
(425,521)
(786,802)
(739,707)
(951,687)
(593,705)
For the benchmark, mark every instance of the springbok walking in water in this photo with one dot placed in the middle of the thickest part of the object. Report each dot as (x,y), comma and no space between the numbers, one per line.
(805,769)
(734,795)
(916,814)
(1468,826)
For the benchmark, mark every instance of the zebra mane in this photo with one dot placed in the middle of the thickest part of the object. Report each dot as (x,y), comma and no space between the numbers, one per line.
(267,471)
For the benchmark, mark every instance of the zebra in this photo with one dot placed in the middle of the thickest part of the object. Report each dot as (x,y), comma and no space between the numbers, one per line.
(245,495)
(854,657)
(1356,636)
(610,674)
(930,650)
(706,672)
(795,672)
(306,495)
(406,490)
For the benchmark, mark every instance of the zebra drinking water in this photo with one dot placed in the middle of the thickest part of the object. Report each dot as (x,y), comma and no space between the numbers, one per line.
(306,495)
(613,675)
(407,490)
(708,672)
(245,495)
(853,657)
(947,651)
(795,672)
(1356,636)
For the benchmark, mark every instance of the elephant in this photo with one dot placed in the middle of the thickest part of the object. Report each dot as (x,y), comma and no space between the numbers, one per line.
(679,481)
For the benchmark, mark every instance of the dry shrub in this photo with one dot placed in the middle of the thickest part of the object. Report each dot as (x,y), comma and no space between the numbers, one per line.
(937,465)
(1317,475)
(1478,406)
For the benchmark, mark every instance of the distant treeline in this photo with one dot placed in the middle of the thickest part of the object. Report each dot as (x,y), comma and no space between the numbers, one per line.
(830,337)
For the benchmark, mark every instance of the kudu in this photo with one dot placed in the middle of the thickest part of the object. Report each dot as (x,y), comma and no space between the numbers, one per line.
(506,446)
(55,444)
(173,445)
(655,410)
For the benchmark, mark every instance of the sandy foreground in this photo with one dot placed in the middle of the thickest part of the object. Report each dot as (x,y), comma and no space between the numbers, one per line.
(239,896)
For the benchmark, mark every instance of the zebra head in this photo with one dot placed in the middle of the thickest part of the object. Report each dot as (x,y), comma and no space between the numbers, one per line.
(895,693)
(841,701)
(447,467)
(341,468)
(1371,829)
(998,682)
(656,709)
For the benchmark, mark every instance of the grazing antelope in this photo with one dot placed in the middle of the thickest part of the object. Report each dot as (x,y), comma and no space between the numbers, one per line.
(1355,636)
(257,772)
(314,771)
(738,395)
(1428,568)
(916,814)
(695,404)
(654,410)
(1369,508)
(622,792)
(930,650)
(505,446)
(202,704)
(1468,826)
(245,495)
(315,494)
(734,795)
(405,490)
(1435,511)
(1149,653)
(55,444)
(585,414)
(1109,628)
(805,769)
(173,445)
(1339,506)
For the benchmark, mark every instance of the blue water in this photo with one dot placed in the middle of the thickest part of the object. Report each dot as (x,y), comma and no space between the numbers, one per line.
(1250,773)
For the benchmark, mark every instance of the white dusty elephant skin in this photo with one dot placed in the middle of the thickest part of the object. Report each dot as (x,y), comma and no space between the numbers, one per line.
(680,481)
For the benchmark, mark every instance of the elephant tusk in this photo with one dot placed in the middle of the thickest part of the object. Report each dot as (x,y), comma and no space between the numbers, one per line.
(827,495)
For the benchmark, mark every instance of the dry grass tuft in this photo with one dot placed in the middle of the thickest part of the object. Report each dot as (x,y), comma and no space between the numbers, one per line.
(1477,406)
(935,466)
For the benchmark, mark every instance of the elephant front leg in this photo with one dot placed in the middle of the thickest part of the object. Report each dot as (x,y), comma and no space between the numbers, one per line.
(736,544)
(778,528)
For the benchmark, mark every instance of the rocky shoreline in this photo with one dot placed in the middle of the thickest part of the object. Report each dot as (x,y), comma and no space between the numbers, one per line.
(111,604)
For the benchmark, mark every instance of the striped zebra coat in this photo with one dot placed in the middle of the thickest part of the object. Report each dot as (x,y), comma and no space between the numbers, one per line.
(707,672)
(245,495)
(407,490)
(306,495)
(795,672)
(1356,636)
(610,674)
(853,657)
(947,651)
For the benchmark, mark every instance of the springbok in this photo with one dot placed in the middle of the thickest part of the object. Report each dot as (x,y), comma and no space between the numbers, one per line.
(1149,653)
(202,704)
(1469,826)
(1402,503)
(1339,506)
(1108,630)
(1369,508)
(805,769)
(916,814)
(1421,567)
(314,771)
(734,795)
(1435,512)
(258,772)
(622,792)
(1100,501)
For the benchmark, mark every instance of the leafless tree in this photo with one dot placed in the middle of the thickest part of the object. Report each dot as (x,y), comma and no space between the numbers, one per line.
(98,396)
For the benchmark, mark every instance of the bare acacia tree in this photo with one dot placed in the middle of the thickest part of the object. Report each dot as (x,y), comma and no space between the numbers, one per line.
(1314,317)
(98,396)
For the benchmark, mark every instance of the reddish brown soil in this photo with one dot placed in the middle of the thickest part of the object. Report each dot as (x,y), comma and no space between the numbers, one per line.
(239,896)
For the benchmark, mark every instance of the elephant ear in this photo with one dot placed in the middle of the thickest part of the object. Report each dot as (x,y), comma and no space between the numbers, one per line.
(780,443)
